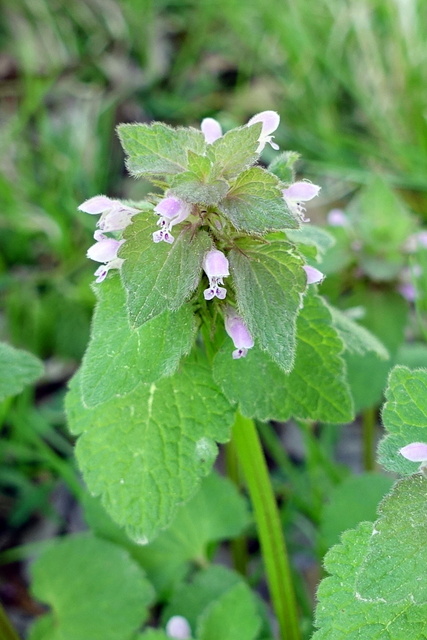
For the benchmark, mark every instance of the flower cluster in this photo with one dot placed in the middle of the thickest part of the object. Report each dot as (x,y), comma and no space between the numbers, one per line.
(171,210)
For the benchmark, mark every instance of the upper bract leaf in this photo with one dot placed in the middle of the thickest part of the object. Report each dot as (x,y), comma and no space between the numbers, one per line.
(145,453)
(160,276)
(157,149)
(200,184)
(118,357)
(255,203)
(235,151)
(270,283)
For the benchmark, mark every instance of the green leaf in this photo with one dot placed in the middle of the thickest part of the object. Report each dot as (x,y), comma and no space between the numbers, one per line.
(157,149)
(312,240)
(146,453)
(153,634)
(235,151)
(217,592)
(94,588)
(360,618)
(269,282)
(234,616)
(316,388)
(200,184)
(404,417)
(356,338)
(220,513)
(118,357)
(395,564)
(17,370)
(255,203)
(337,517)
(160,277)
(283,166)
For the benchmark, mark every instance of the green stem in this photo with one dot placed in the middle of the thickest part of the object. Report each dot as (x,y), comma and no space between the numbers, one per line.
(7,632)
(273,547)
(368,437)
(238,545)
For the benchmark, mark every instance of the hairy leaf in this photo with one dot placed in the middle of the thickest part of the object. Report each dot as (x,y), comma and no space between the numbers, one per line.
(235,151)
(17,370)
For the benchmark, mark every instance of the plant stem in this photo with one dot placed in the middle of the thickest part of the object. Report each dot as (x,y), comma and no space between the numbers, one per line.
(368,438)
(7,632)
(239,550)
(273,547)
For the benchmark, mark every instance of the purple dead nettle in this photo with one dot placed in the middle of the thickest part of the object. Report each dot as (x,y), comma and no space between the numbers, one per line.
(313,275)
(270,120)
(337,218)
(115,215)
(415,452)
(172,211)
(105,250)
(215,265)
(238,332)
(178,627)
(297,193)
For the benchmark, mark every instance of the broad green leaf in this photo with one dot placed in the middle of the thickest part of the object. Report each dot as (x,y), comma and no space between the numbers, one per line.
(95,590)
(118,357)
(315,389)
(153,634)
(200,184)
(270,283)
(404,417)
(17,370)
(395,564)
(337,517)
(146,453)
(342,614)
(255,203)
(213,593)
(234,616)
(356,338)
(235,151)
(157,149)
(283,166)
(160,277)
(220,513)
(313,241)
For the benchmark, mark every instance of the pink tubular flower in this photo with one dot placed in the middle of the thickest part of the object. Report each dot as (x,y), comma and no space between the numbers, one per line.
(215,265)
(415,452)
(313,275)
(115,215)
(337,218)
(178,627)
(300,192)
(211,129)
(105,250)
(238,332)
(270,121)
(172,211)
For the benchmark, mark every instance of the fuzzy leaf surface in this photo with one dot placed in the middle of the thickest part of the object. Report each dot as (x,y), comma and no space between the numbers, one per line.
(315,389)
(395,565)
(159,277)
(361,619)
(235,151)
(146,453)
(99,591)
(270,283)
(356,338)
(255,203)
(404,417)
(200,184)
(313,241)
(17,370)
(118,357)
(157,149)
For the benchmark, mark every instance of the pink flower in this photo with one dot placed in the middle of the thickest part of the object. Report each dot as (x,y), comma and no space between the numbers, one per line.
(115,215)
(215,265)
(337,218)
(415,452)
(105,250)
(178,628)
(211,129)
(270,120)
(172,211)
(238,332)
(313,275)
(300,192)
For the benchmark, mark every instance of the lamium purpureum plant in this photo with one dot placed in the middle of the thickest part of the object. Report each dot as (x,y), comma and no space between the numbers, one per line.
(207,319)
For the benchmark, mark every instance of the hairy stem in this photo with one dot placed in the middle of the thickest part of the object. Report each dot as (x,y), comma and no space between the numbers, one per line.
(273,547)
